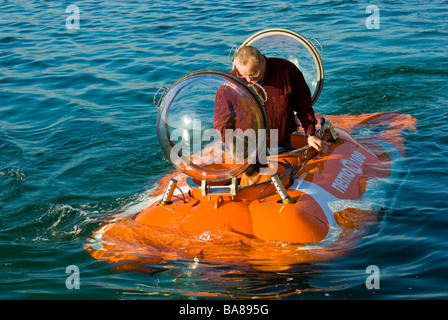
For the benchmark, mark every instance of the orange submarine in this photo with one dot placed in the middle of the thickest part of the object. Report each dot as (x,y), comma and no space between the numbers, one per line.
(297,207)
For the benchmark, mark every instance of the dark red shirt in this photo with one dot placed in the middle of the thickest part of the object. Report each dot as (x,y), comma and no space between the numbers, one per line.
(287,92)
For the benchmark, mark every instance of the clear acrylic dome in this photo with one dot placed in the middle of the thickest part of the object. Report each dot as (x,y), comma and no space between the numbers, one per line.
(211,125)
(282,43)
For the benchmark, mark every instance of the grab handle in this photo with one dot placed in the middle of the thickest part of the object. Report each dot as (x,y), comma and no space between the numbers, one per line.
(164,90)
(265,98)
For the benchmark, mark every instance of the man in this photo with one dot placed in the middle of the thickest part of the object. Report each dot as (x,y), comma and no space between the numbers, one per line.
(286,90)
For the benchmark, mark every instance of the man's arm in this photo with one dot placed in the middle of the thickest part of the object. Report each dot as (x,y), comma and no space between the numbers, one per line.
(302,105)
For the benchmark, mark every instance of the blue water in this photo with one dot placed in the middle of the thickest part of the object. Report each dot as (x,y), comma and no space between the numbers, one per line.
(78,141)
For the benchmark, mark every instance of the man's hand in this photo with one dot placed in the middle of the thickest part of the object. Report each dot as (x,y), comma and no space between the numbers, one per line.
(315,142)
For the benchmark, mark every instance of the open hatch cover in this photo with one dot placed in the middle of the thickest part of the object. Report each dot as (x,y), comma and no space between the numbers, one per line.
(194,120)
(283,43)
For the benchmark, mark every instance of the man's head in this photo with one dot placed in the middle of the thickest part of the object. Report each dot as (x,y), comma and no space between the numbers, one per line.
(250,64)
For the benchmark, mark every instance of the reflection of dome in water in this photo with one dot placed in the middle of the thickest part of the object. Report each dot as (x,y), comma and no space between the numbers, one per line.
(208,125)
